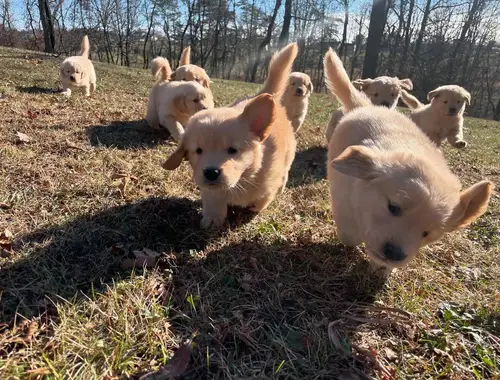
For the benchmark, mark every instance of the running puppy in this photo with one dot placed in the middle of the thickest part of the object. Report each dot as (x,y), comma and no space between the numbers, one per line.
(382,91)
(188,72)
(390,185)
(241,155)
(443,118)
(295,99)
(78,71)
(171,104)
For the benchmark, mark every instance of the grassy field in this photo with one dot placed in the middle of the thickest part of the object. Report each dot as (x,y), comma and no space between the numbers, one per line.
(272,296)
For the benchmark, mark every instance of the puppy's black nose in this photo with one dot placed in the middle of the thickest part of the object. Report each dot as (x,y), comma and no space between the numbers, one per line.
(393,252)
(385,104)
(452,110)
(72,77)
(299,91)
(211,173)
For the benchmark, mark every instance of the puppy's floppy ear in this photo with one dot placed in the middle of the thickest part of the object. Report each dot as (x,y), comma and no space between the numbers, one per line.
(433,94)
(466,95)
(180,104)
(362,84)
(406,84)
(358,161)
(473,204)
(310,87)
(176,158)
(260,113)
(205,81)
(172,76)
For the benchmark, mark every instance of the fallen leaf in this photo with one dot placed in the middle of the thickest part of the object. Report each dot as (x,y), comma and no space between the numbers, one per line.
(34,373)
(175,367)
(390,354)
(444,354)
(4,206)
(72,145)
(143,258)
(6,240)
(22,138)
(33,114)
(32,330)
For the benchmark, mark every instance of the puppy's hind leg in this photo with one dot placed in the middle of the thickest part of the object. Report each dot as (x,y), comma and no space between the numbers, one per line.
(92,87)
(173,126)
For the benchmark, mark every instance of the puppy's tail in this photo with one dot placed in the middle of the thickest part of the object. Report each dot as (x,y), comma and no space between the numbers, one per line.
(185,57)
(412,102)
(161,66)
(339,84)
(280,68)
(85,47)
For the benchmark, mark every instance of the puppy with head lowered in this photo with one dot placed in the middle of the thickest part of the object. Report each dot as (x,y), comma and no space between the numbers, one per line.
(443,118)
(171,104)
(295,99)
(382,91)
(78,71)
(390,185)
(188,72)
(241,155)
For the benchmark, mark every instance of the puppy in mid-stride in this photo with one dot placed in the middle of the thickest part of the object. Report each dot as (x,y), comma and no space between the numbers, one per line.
(241,155)
(390,185)
(78,71)
(295,99)
(188,72)
(443,119)
(171,104)
(382,91)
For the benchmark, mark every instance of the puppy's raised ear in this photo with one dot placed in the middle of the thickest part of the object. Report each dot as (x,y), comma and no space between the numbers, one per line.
(176,158)
(473,204)
(433,94)
(406,84)
(260,113)
(310,87)
(358,161)
(466,95)
(362,84)
(205,81)
(180,104)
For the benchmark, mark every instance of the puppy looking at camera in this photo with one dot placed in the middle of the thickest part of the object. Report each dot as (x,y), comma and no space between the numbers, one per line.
(78,71)
(382,91)
(443,119)
(188,72)
(171,104)
(296,98)
(390,185)
(241,155)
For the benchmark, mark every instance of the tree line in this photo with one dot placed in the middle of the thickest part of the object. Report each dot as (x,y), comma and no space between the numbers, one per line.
(433,42)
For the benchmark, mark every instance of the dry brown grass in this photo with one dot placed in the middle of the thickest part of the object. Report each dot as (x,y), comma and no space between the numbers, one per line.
(273,296)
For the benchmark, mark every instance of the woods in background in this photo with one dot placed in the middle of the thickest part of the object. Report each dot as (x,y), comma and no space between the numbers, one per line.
(433,42)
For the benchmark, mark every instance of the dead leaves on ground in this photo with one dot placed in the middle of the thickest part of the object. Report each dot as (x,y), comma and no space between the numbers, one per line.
(22,138)
(143,258)
(6,239)
(125,180)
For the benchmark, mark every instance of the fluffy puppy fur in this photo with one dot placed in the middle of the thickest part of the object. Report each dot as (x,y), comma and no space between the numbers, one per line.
(78,71)
(188,72)
(390,186)
(443,118)
(295,99)
(382,91)
(171,104)
(241,155)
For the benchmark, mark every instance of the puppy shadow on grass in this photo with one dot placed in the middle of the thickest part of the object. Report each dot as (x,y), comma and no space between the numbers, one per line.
(37,90)
(126,135)
(308,166)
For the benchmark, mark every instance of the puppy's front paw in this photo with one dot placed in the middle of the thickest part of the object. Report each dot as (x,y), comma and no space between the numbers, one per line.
(461,144)
(211,222)
(379,270)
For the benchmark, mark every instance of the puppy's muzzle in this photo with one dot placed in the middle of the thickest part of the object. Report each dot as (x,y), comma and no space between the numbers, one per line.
(72,78)
(212,175)
(393,252)
(385,104)
(299,91)
(452,111)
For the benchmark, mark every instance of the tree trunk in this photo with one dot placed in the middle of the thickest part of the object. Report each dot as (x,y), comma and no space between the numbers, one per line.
(374,43)
(47,25)
(421,33)
(342,48)
(287,18)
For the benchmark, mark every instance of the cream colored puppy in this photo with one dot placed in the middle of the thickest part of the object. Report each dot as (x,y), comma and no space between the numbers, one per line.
(382,91)
(241,155)
(188,72)
(295,99)
(171,104)
(78,71)
(443,118)
(390,186)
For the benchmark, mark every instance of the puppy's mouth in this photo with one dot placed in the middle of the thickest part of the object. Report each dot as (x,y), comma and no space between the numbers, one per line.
(381,260)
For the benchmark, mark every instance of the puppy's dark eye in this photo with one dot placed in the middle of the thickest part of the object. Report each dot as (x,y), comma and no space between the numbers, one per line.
(393,95)
(458,101)
(232,150)
(199,151)
(425,234)
(376,94)
(394,210)
(445,102)
(196,100)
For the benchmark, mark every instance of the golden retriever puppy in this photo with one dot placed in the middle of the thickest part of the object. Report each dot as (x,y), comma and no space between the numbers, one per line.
(241,155)
(443,118)
(171,104)
(295,99)
(78,71)
(188,72)
(390,185)
(382,91)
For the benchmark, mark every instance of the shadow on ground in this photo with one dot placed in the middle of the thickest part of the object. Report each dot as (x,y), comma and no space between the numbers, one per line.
(125,135)
(308,166)
(37,90)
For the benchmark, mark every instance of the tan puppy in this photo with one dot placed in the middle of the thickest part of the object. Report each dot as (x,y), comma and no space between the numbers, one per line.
(241,155)
(188,72)
(171,104)
(390,186)
(78,71)
(295,99)
(443,118)
(382,91)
